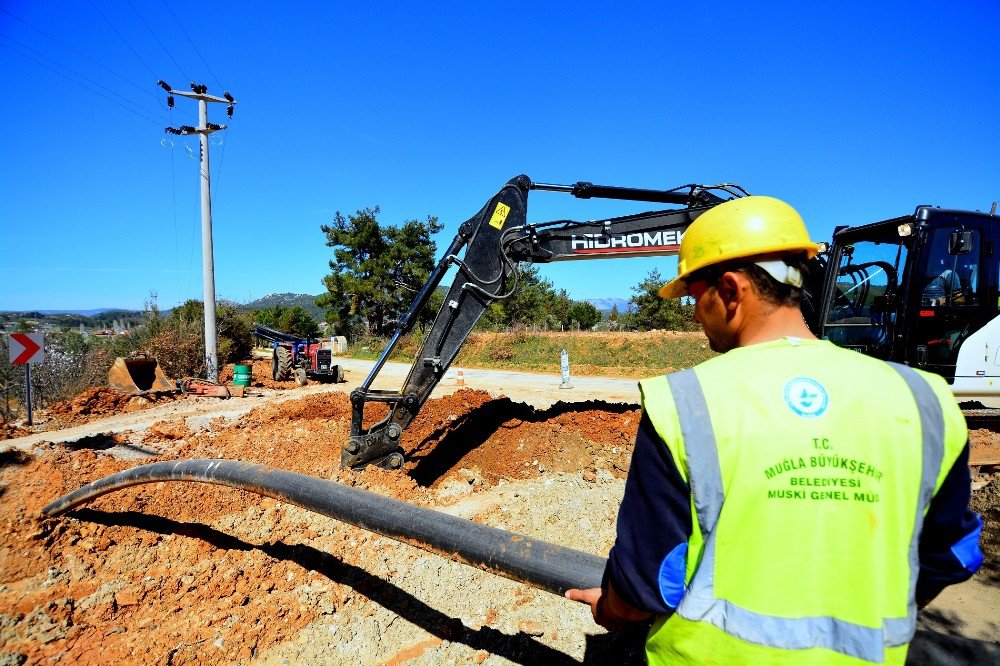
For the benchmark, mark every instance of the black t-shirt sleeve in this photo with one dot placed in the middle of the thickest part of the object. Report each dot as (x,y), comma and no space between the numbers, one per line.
(654,519)
(949,542)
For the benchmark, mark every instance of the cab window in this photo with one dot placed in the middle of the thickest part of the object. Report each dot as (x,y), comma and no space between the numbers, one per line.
(860,314)
(868,271)
(951,274)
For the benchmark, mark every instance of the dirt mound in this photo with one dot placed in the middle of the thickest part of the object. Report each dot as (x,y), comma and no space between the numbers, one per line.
(504,439)
(167,431)
(260,375)
(986,502)
(95,401)
(984,446)
(140,577)
(99,401)
(10,431)
(501,438)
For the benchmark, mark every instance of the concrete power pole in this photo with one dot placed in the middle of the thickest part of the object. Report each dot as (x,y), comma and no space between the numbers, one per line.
(204,128)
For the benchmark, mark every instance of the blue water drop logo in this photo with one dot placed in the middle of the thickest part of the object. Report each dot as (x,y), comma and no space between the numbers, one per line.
(806,397)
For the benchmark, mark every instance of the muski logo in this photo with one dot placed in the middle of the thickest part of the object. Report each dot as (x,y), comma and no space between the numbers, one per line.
(646,241)
(806,397)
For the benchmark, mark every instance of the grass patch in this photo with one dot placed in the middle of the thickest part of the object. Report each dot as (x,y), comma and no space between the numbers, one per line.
(628,355)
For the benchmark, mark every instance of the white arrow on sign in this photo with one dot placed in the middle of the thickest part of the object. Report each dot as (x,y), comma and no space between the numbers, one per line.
(27,348)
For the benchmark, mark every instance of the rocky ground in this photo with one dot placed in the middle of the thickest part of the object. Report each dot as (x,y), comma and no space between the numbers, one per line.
(179,572)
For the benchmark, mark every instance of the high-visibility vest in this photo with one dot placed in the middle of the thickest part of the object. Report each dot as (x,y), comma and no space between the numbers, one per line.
(811,469)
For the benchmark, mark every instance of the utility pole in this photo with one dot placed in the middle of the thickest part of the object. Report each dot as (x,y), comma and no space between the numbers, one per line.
(204,128)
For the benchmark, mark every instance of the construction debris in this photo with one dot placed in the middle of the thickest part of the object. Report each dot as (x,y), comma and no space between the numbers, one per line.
(206,388)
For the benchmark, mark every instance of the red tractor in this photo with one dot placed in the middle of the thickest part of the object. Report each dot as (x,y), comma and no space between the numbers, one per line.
(296,358)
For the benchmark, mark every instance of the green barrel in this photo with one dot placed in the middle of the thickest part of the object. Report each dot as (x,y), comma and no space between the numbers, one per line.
(242,375)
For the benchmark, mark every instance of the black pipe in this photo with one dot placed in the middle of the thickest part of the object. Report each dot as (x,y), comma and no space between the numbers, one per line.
(519,557)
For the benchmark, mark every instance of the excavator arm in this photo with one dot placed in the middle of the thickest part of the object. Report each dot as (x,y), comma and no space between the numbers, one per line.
(494,241)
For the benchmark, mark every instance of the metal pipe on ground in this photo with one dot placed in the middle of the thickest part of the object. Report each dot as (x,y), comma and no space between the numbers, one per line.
(544,565)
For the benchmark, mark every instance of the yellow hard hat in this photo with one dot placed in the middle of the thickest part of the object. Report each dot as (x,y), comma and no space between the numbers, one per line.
(739,228)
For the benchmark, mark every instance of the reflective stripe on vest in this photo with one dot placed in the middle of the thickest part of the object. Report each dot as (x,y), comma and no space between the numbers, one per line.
(699,603)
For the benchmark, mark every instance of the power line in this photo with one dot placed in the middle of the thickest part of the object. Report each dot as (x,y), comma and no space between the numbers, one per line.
(194,233)
(80,53)
(74,72)
(69,78)
(173,192)
(218,173)
(157,39)
(191,41)
(124,41)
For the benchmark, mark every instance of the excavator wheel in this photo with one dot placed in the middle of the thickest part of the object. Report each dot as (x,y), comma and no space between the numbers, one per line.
(300,377)
(281,364)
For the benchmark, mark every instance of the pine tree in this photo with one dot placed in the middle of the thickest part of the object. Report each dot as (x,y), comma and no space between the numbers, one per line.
(376,270)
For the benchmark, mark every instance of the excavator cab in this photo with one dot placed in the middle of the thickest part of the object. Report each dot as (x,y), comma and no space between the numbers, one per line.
(920,290)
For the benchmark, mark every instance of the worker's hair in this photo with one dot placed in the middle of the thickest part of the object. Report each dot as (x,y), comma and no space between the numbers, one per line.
(770,290)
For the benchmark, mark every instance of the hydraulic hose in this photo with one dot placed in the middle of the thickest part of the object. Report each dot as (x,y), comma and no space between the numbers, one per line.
(519,557)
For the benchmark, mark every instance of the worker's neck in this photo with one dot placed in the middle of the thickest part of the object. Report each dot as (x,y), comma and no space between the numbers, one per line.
(771,324)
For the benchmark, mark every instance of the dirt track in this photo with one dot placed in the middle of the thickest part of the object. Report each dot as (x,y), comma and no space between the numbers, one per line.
(177,573)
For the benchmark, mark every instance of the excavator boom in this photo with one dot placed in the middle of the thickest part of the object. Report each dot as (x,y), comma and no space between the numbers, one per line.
(495,241)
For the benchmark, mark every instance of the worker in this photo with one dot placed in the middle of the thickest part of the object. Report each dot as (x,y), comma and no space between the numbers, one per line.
(939,290)
(788,501)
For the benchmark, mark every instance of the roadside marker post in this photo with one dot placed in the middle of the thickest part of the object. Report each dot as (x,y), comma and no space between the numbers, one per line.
(564,363)
(25,349)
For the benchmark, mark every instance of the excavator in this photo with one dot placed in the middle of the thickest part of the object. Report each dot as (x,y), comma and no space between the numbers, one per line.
(907,289)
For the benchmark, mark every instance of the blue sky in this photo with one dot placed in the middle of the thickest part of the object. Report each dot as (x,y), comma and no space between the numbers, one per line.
(853,112)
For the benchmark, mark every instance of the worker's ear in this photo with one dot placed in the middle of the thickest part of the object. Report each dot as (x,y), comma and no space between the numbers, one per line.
(731,288)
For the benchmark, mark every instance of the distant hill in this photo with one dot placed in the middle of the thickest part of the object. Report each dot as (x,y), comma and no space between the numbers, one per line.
(103,317)
(85,313)
(49,320)
(606,304)
(287,300)
(82,313)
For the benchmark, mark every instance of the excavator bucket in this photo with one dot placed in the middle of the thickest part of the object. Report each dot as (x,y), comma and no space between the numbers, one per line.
(139,374)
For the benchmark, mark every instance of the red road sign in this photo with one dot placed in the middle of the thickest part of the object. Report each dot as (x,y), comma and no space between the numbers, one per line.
(27,348)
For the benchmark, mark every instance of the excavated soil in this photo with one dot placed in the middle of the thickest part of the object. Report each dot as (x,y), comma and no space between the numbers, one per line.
(180,572)
(98,402)
(261,375)
(984,447)
(174,573)
(101,401)
(986,502)
(10,431)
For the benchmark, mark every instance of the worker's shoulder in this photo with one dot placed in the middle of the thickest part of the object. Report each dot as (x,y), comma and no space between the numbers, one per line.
(791,352)
(943,392)
(821,357)
(658,385)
